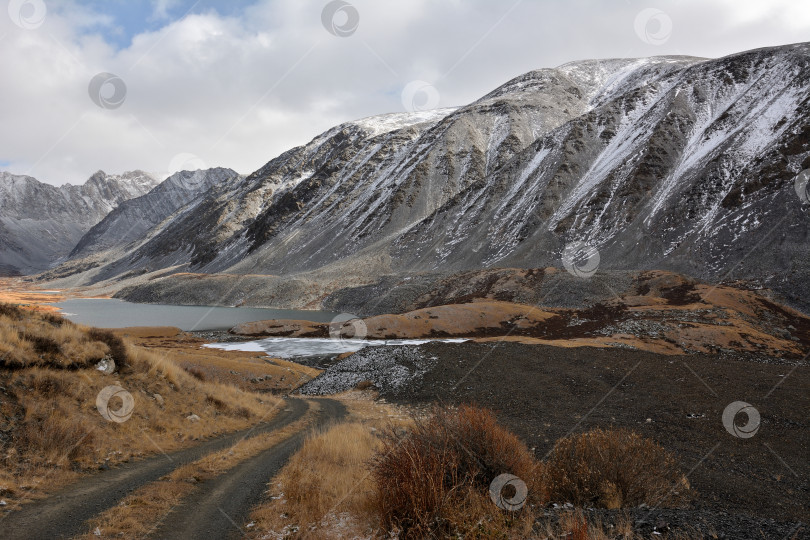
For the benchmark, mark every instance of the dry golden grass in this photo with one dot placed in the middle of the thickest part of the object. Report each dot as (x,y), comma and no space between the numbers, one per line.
(15,291)
(325,491)
(249,371)
(48,406)
(143,510)
(28,339)
(352,481)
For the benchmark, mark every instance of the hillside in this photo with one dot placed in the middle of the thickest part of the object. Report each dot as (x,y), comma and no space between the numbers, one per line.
(76,400)
(40,223)
(672,163)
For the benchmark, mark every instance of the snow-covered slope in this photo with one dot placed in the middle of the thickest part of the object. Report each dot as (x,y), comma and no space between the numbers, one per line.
(669,162)
(137,217)
(40,223)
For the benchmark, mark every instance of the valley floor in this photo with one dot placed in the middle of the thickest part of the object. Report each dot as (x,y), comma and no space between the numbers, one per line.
(747,487)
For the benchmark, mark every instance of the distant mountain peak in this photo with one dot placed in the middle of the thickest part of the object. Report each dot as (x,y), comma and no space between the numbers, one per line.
(672,163)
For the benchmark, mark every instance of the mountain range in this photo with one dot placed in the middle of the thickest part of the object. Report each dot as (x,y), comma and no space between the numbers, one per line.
(40,223)
(675,163)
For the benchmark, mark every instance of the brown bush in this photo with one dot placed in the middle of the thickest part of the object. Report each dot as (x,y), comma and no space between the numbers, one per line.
(364,385)
(434,480)
(118,349)
(195,372)
(614,469)
(55,320)
(217,403)
(43,345)
(55,438)
(47,385)
(11,311)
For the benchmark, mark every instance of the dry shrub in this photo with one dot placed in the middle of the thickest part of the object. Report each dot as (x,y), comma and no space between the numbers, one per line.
(195,372)
(55,437)
(118,349)
(48,385)
(364,385)
(434,480)
(217,403)
(44,340)
(55,320)
(614,469)
(11,311)
(42,345)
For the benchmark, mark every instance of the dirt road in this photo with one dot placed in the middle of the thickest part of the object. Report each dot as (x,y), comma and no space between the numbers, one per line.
(221,508)
(65,513)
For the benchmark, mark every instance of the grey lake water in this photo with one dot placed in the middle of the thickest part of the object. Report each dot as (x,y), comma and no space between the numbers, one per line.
(112,313)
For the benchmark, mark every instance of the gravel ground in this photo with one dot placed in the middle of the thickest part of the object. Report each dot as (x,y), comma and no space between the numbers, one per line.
(661,522)
(747,487)
(394,370)
(219,336)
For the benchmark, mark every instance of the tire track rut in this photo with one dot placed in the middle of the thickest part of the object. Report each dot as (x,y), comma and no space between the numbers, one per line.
(64,514)
(222,505)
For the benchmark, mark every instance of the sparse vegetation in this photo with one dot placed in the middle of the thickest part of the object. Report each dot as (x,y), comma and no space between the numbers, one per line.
(614,469)
(430,478)
(434,479)
(50,427)
(325,491)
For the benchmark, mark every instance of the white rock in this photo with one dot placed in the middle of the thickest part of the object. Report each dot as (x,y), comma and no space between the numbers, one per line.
(106,365)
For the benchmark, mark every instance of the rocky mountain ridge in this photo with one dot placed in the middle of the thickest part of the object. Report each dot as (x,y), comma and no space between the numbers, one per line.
(675,163)
(40,223)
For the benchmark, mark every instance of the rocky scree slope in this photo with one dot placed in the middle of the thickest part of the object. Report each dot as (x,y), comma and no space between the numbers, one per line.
(40,223)
(674,163)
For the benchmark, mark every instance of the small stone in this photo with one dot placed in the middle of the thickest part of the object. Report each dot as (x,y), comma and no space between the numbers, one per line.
(158,398)
(193,418)
(3,503)
(106,365)
(97,532)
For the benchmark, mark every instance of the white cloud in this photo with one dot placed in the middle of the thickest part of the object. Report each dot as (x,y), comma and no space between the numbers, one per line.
(160,8)
(237,91)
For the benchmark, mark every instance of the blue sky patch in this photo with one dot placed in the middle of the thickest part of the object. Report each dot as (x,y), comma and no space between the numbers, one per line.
(130,18)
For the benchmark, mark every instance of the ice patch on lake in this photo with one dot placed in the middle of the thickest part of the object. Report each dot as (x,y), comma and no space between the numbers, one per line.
(286,347)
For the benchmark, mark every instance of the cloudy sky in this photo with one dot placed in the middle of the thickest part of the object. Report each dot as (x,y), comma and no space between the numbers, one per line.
(162,85)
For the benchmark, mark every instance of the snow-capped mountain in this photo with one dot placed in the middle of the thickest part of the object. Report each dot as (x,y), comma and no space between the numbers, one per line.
(40,223)
(675,163)
(136,217)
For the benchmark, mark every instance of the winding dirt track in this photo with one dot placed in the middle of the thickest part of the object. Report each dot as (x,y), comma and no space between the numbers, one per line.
(221,508)
(65,513)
